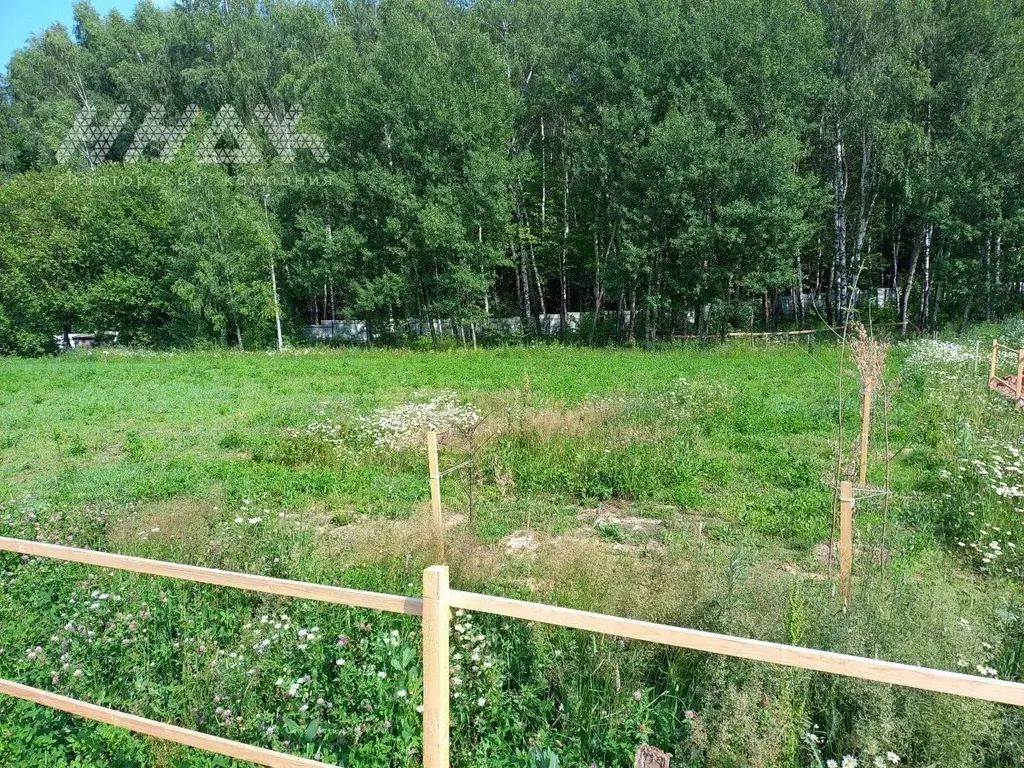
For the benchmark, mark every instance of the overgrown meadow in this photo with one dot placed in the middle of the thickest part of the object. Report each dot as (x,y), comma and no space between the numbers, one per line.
(690,486)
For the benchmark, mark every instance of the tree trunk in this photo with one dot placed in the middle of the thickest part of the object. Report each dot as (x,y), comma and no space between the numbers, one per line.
(915,254)
(986,260)
(926,278)
(798,293)
(863,218)
(839,191)
(703,316)
(632,313)
(563,311)
(277,305)
(598,287)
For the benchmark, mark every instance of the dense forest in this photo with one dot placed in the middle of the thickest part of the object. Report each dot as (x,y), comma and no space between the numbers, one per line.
(661,166)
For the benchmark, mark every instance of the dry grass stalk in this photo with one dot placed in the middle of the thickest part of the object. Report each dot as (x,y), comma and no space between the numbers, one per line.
(869,356)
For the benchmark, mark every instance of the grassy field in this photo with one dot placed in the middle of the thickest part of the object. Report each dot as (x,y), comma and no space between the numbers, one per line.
(688,486)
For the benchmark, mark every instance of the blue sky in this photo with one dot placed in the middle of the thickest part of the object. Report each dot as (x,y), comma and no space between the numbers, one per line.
(21,18)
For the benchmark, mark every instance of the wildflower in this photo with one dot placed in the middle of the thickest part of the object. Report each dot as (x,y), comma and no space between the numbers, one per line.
(382,674)
(849,761)
(831,764)
(238,519)
(419,708)
(892,757)
(339,662)
(637,695)
(690,714)
(402,693)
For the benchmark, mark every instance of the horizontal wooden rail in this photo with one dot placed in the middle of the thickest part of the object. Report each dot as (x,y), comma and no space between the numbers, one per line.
(216,744)
(412,606)
(906,675)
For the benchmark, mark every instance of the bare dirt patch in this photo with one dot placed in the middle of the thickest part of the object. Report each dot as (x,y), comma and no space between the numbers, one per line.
(521,541)
(186,521)
(615,512)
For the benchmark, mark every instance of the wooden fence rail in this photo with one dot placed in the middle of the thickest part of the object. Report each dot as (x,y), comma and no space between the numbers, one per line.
(174,733)
(435,610)
(356,598)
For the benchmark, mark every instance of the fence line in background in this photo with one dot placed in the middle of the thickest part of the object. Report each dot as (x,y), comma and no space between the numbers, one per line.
(435,610)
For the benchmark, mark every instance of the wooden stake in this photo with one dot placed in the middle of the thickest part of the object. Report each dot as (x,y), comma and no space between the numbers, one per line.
(992,362)
(436,521)
(865,430)
(1020,373)
(436,627)
(845,540)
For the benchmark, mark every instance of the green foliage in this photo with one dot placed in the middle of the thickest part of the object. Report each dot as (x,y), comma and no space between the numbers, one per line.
(657,166)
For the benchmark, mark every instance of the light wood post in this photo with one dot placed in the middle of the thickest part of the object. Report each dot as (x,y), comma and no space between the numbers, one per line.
(992,362)
(436,626)
(436,521)
(845,539)
(1020,373)
(865,432)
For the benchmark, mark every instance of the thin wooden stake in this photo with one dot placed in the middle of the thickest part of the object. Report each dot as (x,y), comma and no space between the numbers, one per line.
(865,431)
(1020,373)
(845,540)
(992,362)
(436,627)
(436,521)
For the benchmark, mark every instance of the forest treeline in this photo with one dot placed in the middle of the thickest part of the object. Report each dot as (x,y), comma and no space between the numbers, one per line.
(660,165)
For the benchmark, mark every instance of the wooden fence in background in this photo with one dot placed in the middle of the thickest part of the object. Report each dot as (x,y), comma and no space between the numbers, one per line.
(1009,386)
(435,611)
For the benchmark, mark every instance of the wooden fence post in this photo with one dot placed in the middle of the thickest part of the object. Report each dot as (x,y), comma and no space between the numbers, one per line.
(436,521)
(992,362)
(865,431)
(845,539)
(436,626)
(1020,373)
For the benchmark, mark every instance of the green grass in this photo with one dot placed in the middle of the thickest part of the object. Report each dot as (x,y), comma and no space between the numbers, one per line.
(119,429)
(690,486)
